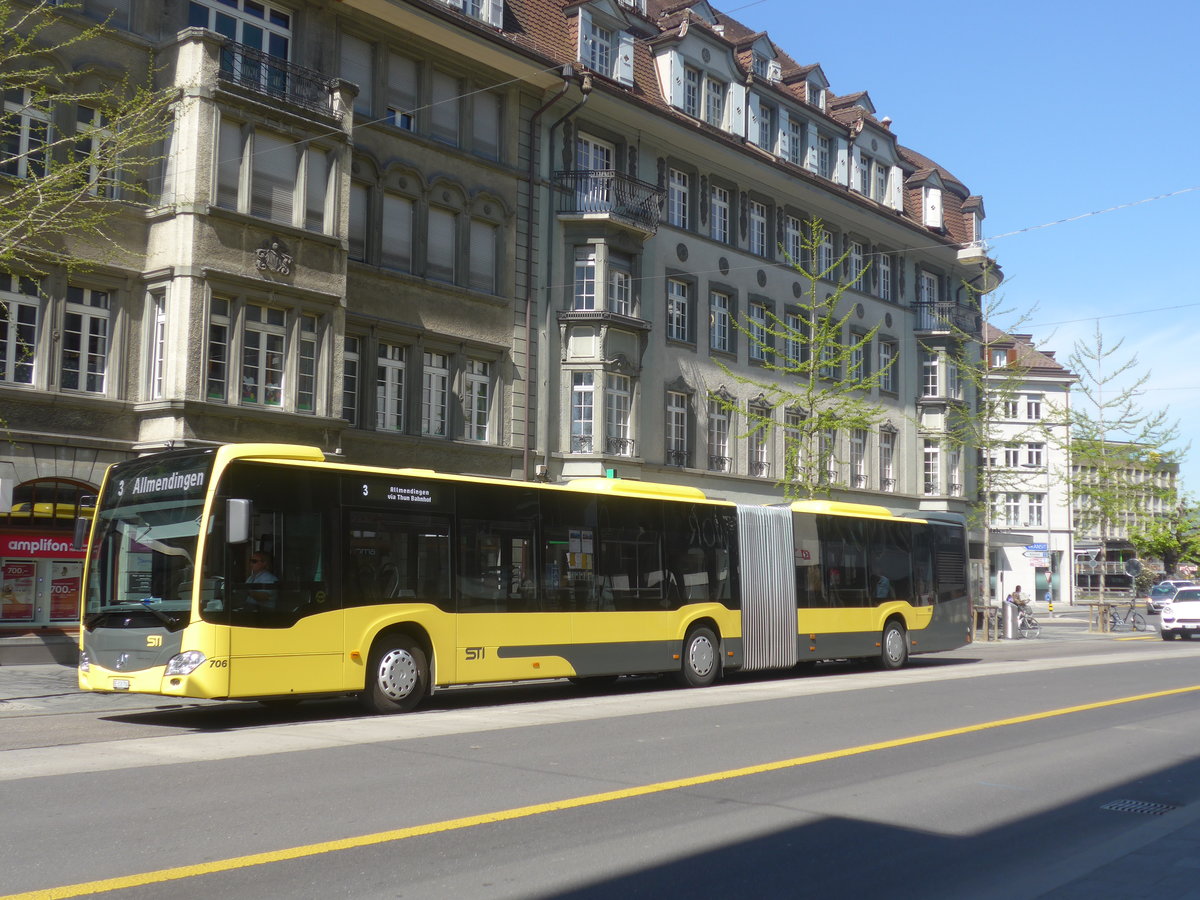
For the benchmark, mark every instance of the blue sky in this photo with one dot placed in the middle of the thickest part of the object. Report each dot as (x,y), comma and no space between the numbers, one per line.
(1050,111)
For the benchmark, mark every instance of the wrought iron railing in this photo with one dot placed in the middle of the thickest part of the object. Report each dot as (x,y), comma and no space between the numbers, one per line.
(945,316)
(720,463)
(888,485)
(858,480)
(619,446)
(612,193)
(760,469)
(276,77)
(581,443)
(680,458)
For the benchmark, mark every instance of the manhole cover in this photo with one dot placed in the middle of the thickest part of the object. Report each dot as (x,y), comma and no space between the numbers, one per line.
(1143,807)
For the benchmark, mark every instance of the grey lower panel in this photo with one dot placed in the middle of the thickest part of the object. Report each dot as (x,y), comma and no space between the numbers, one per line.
(948,630)
(631,658)
(130,649)
(840,645)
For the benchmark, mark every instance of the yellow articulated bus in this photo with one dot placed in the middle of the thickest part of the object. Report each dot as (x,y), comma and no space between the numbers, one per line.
(266,572)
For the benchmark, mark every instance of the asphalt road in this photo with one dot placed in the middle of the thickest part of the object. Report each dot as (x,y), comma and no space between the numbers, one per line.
(979,773)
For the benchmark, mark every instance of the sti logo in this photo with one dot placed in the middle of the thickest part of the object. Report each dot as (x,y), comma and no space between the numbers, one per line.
(154,640)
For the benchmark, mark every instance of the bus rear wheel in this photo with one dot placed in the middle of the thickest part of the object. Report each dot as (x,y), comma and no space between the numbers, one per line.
(701,658)
(893,648)
(397,676)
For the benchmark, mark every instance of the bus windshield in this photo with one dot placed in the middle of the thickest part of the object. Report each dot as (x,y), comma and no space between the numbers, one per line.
(143,550)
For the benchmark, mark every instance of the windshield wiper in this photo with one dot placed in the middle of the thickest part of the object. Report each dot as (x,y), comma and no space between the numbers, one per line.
(169,621)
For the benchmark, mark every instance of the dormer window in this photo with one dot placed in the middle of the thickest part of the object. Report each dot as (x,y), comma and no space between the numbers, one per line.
(714,101)
(816,95)
(489,11)
(704,96)
(760,65)
(603,46)
(636,5)
(596,46)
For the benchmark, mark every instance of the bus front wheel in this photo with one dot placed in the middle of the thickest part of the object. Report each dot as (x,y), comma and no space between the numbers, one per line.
(893,648)
(701,663)
(397,676)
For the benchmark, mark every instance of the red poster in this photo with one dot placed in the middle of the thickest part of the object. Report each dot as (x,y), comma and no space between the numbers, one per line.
(64,593)
(16,591)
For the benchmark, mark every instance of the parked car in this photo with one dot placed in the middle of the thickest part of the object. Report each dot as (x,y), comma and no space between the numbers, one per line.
(1181,614)
(1164,591)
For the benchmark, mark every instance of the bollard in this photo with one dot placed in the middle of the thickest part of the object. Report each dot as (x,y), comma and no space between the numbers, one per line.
(1010,620)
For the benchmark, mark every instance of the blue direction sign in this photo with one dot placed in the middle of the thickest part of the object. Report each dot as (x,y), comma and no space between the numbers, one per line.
(1041,547)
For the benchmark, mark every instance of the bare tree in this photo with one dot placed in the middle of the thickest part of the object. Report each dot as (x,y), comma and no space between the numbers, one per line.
(816,382)
(1115,443)
(76,150)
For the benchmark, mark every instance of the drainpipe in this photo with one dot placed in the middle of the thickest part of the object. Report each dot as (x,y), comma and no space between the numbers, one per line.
(543,361)
(568,72)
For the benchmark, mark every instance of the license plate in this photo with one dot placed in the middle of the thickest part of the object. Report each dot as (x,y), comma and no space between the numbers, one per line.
(120,684)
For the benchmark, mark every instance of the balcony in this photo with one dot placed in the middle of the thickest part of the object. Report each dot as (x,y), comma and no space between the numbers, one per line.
(278,79)
(604,193)
(944,317)
(760,469)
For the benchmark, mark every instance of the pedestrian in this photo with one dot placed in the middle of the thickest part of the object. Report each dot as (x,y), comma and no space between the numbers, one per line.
(1016,597)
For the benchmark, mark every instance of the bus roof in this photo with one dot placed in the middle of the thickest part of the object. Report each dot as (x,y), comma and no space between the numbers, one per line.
(619,487)
(851,510)
(615,487)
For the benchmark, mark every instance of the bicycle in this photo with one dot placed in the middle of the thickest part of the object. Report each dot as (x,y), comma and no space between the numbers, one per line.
(1027,625)
(1132,619)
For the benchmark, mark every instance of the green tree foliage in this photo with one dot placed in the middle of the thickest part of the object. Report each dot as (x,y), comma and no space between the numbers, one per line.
(816,375)
(78,142)
(1173,538)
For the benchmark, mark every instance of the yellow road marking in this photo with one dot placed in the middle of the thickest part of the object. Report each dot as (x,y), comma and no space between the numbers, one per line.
(522,812)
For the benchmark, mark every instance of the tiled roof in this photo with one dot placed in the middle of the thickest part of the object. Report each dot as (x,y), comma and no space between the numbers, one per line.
(548,28)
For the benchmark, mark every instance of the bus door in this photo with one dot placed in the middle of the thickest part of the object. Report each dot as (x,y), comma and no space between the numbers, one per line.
(503,631)
(285,616)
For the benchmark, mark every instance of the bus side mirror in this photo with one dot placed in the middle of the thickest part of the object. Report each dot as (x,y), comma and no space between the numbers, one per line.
(79,541)
(238,515)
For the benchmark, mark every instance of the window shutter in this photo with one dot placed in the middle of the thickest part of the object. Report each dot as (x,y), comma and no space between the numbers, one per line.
(496,13)
(856,168)
(482,273)
(395,249)
(843,161)
(623,71)
(273,178)
(896,188)
(585,29)
(735,110)
(811,149)
(785,148)
(755,114)
(670,71)
(774,71)
(356,67)
(933,207)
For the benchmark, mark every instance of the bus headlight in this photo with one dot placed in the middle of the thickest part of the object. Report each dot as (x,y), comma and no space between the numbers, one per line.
(185,663)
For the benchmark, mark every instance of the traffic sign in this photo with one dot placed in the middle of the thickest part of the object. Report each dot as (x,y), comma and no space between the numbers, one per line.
(1041,547)
(1037,559)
